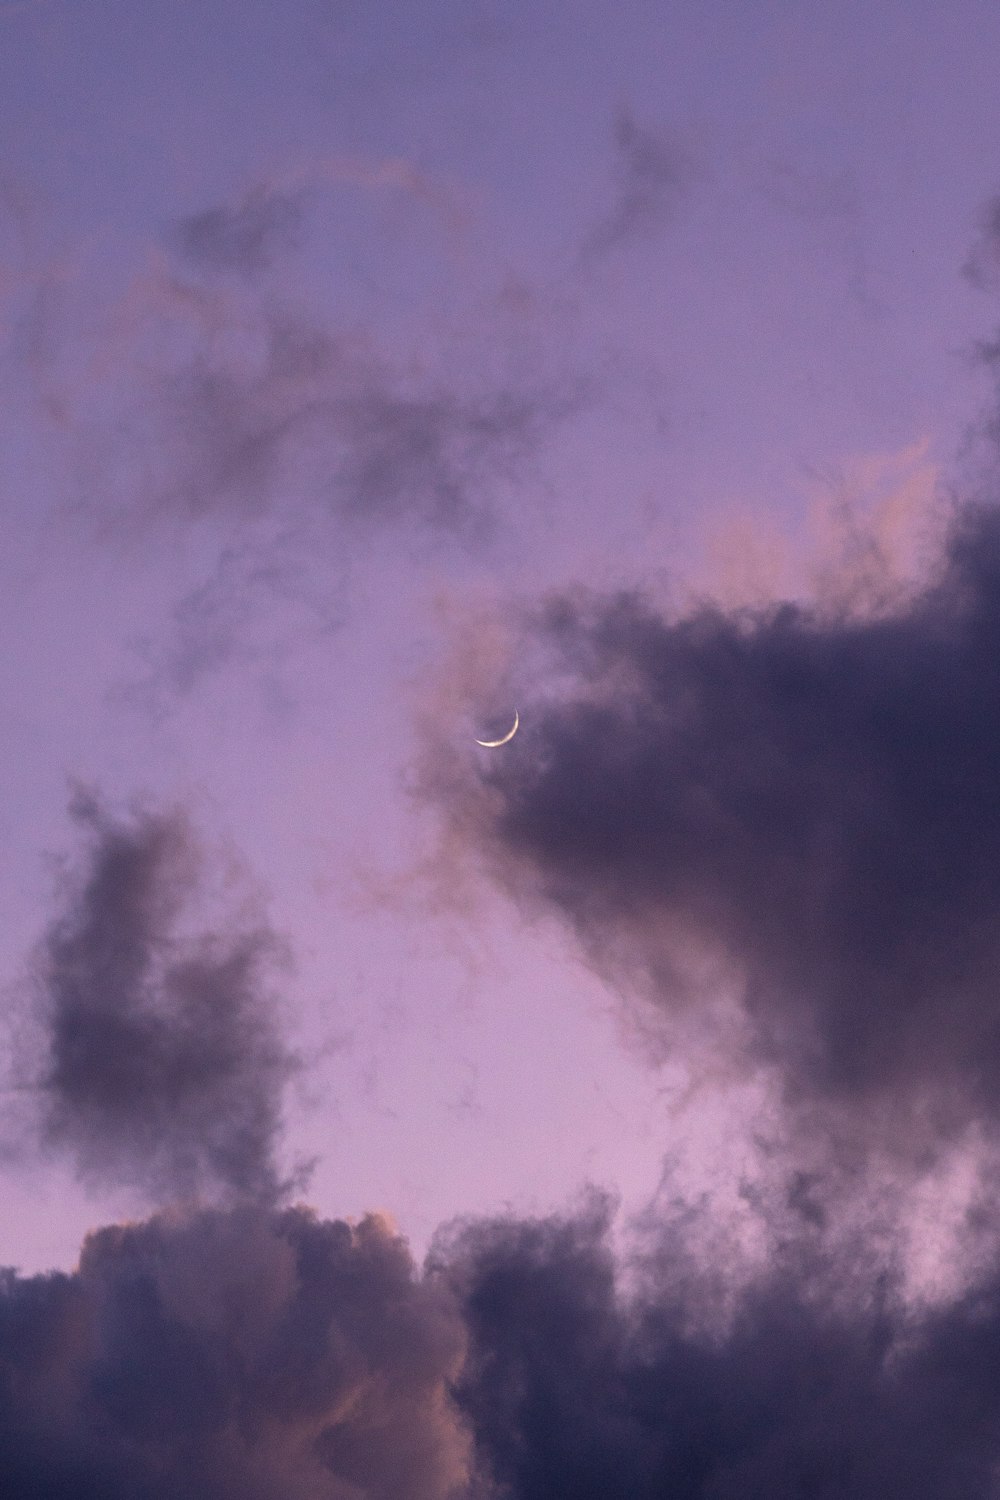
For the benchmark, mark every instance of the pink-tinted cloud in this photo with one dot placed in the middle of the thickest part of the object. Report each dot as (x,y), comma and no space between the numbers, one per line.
(248,1353)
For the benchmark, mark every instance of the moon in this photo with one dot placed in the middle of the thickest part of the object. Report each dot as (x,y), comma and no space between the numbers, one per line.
(495,744)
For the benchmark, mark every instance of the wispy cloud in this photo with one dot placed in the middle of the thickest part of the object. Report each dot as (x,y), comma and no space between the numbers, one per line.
(215,398)
(653,175)
(982,266)
(253,607)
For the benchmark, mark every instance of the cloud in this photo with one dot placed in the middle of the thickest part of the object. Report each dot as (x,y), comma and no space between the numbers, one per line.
(159,1063)
(248,235)
(244,238)
(830,203)
(652,177)
(245,1353)
(792,807)
(263,1353)
(217,402)
(818,1383)
(253,607)
(982,266)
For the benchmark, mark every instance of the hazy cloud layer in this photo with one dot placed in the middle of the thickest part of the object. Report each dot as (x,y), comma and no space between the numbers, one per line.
(160,1060)
(253,608)
(799,807)
(248,1353)
(206,389)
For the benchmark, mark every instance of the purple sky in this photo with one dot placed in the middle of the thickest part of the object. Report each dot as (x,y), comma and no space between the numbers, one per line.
(367,373)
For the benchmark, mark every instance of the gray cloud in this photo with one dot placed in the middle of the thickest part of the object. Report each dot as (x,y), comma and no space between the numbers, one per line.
(800,808)
(160,1063)
(260,1353)
(818,1383)
(245,237)
(245,1353)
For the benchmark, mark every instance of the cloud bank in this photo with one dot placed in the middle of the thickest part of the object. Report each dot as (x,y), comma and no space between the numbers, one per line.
(265,1353)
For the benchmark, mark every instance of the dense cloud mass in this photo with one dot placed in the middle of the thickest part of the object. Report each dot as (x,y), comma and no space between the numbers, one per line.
(251,1354)
(814,1388)
(803,803)
(161,1062)
(265,1353)
(773,829)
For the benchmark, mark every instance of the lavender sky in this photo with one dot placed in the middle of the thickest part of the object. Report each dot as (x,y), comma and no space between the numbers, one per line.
(369,372)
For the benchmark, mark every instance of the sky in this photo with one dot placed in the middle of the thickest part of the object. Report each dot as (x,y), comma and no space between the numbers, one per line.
(612,1112)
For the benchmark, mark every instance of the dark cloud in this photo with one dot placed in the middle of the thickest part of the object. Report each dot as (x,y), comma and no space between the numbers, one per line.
(246,1353)
(160,1062)
(653,175)
(819,1383)
(261,1353)
(245,237)
(798,806)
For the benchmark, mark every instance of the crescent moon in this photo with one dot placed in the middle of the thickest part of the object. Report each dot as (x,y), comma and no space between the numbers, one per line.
(495,744)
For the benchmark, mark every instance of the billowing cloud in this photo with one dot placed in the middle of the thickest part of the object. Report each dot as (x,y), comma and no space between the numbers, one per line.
(795,807)
(817,1383)
(245,1353)
(159,1062)
(268,1353)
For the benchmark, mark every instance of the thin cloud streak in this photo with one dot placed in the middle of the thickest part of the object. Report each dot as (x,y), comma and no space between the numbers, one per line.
(231,406)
